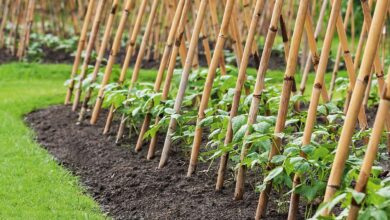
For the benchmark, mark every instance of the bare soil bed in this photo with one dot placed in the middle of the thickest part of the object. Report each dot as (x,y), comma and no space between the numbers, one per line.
(126,185)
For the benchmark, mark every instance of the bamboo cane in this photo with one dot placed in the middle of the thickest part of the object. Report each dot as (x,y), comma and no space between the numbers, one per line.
(211,76)
(215,24)
(137,66)
(23,43)
(259,6)
(130,48)
(277,9)
(236,37)
(75,22)
(314,101)
(183,81)
(4,20)
(111,61)
(163,64)
(80,48)
(377,62)
(20,14)
(283,107)
(14,19)
(309,58)
(103,46)
(372,148)
(88,52)
(356,101)
(179,41)
(339,49)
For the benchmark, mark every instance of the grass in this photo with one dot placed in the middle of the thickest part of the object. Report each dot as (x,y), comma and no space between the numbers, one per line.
(34,186)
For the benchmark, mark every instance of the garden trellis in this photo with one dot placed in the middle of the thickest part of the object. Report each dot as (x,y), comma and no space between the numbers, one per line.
(199,45)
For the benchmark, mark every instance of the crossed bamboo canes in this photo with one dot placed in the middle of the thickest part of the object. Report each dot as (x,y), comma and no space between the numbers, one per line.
(111,61)
(317,87)
(80,48)
(129,53)
(99,59)
(356,102)
(88,52)
(283,108)
(372,148)
(25,38)
(259,6)
(211,76)
(179,43)
(163,64)
(184,80)
(137,66)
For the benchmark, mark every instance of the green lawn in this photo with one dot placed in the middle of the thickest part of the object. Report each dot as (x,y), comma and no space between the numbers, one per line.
(33,185)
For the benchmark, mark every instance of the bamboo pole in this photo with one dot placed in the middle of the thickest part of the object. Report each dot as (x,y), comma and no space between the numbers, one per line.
(23,42)
(211,76)
(339,49)
(88,52)
(183,81)
(179,42)
(80,48)
(163,64)
(356,101)
(111,61)
(103,46)
(283,107)
(15,21)
(257,13)
(277,9)
(75,22)
(6,8)
(137,66)
(129,53)
(314,101)
(215,24)
(309,58)
(372,148)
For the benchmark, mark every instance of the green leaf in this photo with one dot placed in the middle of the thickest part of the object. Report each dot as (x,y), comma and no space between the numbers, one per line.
(240,133)
(275,172)
(262,127)
(238,122)
(358,196)
(384,192)
(278,159)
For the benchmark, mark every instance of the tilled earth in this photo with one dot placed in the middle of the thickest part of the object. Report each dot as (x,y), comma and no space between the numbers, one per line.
(126,185)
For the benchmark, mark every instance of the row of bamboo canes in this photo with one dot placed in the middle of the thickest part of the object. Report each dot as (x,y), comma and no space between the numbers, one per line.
(187,23)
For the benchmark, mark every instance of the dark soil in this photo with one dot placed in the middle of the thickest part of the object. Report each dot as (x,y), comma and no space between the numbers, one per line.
(6,56)
(127,186)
